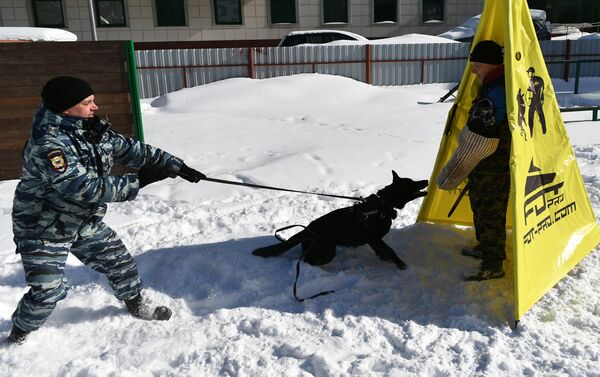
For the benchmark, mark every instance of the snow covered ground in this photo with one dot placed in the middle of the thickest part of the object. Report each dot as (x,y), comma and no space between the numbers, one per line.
(234,314)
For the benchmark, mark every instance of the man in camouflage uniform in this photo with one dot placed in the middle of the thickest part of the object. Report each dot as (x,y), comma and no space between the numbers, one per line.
(482,155)
(61,199)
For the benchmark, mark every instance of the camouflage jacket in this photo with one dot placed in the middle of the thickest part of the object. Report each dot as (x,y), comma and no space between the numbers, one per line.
(65,178)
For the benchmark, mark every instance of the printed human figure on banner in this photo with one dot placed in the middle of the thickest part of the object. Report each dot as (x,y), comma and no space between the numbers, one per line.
(536,99)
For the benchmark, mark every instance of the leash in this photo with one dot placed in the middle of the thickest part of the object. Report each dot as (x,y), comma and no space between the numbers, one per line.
(305,252)
(460,196)
(252,185)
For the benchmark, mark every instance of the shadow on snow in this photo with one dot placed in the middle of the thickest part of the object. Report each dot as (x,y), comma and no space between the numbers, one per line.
(225,275)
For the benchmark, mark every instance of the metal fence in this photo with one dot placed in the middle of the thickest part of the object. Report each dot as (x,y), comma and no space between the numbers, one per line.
(164,71)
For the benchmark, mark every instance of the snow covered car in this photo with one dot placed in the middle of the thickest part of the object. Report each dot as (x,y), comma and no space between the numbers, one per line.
(295,38)
(360,40)
(466,31)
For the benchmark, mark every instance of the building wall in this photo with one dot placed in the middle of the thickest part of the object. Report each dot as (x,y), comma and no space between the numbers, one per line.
(140,16)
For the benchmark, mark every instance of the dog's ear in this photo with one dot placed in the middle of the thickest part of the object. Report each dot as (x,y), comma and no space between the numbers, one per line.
(395,176)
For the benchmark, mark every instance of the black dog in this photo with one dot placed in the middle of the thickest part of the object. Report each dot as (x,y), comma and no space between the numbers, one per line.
(364,223)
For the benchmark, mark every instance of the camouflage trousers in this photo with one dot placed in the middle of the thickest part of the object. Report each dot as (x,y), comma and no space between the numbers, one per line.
(44,264)
(488,195)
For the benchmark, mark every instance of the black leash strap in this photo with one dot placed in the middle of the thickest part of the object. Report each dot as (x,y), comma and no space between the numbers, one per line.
(216,180)
(457,202)
(313,239)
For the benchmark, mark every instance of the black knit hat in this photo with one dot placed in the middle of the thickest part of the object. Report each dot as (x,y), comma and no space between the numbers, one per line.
(64,92)
(488,52)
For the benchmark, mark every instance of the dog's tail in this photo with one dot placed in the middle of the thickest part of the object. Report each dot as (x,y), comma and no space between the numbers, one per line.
(274,250)
(284,245)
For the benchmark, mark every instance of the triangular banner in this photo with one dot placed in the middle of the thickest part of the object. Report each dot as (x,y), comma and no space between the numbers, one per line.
(553,224)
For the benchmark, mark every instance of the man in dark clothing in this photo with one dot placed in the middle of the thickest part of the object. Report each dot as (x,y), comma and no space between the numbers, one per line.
(61,199)
(482,155)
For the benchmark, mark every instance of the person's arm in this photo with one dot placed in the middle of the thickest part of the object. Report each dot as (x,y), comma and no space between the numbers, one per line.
(59,166)
(478,140)
(136,154)
(471,149)
(153,164)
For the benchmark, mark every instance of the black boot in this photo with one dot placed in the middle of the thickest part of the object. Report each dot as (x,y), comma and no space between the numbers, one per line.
(140,308)
(17,335)
(488,270)
(472,251)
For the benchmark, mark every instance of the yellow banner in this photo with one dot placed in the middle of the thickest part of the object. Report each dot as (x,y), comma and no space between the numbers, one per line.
(553,224)
(438,203)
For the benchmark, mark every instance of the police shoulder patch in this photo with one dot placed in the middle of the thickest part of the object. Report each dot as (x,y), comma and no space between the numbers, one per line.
(58,160)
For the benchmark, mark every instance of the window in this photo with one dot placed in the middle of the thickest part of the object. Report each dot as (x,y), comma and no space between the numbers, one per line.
(385,11)
(283,11)
(335,11)
(228,12)
(562,12)
(170,13)
(110,13)
(48,13)
(433,10)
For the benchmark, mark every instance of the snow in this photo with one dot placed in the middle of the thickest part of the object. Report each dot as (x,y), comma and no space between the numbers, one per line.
(465,30)
(234,314)
(577,35)
(468,28)
(35,34)
(412,38)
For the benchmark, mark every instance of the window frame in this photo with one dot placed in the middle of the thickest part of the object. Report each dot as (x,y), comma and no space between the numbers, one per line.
(444,8)
(283,23)
(216,18)
(36,21)
(185,14)
(386,22)
(348,15)
(97,14)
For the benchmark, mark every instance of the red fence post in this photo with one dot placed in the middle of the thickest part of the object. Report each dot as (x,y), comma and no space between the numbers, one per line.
(567,57)
(251,62)
(185,83)
(368,64)
(422,70)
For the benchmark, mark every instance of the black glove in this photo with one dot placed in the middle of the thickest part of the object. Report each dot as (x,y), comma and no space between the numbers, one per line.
(189,174)
(152,173)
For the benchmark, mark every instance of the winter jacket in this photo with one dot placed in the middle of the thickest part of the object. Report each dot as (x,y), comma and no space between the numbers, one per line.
(65,178)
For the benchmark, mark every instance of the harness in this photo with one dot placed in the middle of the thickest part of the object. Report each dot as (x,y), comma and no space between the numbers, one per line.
(384,210)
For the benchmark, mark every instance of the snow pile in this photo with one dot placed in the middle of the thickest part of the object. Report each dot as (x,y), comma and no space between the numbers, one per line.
(463,31)
(234,314)
(35,34)
(412,38)
(577,35)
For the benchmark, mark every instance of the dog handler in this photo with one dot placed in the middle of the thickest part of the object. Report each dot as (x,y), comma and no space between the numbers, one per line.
(482,155)
(61,199)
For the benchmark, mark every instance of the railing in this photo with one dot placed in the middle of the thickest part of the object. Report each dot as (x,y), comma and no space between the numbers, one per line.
(163,71)
(578,64)
(593,109)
